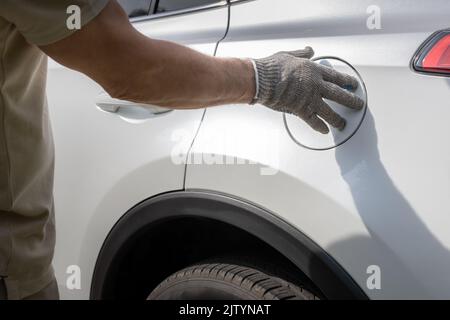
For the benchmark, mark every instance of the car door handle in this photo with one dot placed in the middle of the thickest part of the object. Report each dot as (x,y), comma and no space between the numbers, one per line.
(127,108)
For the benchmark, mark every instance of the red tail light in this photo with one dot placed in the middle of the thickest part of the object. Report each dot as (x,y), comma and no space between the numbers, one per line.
(434,54)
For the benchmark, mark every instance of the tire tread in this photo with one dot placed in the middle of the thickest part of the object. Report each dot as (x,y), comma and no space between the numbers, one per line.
(260,284)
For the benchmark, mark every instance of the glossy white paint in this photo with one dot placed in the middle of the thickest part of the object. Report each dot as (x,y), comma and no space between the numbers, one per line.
(107,163)
(381,198)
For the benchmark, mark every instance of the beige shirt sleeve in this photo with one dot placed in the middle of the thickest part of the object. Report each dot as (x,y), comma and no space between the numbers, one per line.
(43,22)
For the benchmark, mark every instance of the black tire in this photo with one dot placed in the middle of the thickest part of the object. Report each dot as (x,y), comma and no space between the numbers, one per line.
(226,282)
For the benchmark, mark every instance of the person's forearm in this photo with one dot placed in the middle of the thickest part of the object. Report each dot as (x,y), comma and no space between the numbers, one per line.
(131,66)
(171,75)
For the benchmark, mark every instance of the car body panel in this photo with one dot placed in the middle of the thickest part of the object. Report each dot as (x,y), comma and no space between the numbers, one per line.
(380,199)
(105,163)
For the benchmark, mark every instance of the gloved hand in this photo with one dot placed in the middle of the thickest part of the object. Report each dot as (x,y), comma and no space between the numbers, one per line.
(290,82)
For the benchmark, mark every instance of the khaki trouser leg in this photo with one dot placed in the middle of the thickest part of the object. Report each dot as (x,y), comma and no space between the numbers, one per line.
(3,295)
(50,292)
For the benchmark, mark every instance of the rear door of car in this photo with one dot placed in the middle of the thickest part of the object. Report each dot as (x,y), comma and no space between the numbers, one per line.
(380,200)
(109,160)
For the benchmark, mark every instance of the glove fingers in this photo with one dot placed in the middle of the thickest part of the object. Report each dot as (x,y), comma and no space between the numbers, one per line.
(307,53)
(341,79)
(317,124)
(342,96)
(331,117)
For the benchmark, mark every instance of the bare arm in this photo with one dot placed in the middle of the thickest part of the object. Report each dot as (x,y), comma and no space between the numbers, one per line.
(131,66)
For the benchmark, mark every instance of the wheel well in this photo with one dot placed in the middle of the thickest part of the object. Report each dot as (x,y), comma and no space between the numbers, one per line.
(167,247)
(172,231)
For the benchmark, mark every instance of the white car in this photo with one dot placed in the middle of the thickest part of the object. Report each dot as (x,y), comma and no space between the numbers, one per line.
(244,202)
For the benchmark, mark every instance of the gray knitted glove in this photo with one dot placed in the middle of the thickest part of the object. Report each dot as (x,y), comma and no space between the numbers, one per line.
(290,82)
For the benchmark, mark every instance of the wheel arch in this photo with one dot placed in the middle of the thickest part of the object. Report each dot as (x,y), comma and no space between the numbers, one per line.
(332,280)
